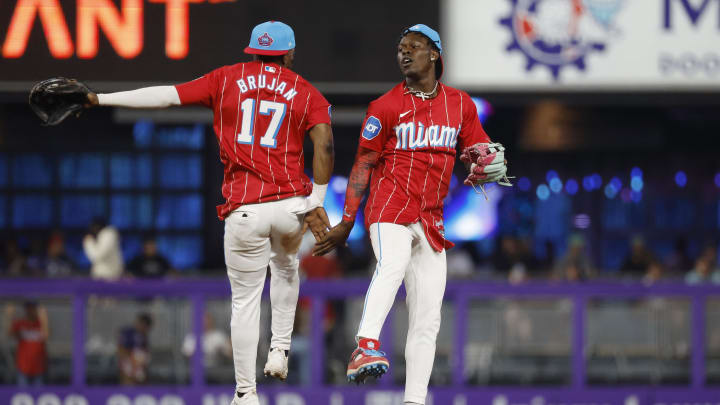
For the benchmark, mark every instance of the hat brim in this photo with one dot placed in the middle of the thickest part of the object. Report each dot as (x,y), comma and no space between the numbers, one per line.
(254,51)
(439,68)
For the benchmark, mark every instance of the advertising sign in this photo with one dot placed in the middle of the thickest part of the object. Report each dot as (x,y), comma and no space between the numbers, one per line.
(360,396)
(583,44)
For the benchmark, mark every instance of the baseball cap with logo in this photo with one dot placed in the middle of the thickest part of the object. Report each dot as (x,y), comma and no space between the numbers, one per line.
(434,38)
(271,38)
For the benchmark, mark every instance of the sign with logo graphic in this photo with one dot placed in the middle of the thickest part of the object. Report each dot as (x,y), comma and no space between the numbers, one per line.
(583,44)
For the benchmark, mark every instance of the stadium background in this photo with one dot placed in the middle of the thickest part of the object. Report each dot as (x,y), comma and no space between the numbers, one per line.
(607,157)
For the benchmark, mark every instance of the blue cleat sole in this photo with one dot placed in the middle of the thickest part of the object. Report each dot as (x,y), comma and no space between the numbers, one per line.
(373,370)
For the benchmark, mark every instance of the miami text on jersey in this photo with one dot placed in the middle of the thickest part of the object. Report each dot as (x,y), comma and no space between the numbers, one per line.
(261,82)
(412,136)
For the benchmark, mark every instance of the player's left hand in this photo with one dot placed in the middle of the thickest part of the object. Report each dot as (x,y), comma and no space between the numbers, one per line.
(337,236)
(318,222)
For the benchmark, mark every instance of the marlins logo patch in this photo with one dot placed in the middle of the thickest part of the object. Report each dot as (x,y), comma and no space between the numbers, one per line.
(265,40)
(561,33)
(372,128)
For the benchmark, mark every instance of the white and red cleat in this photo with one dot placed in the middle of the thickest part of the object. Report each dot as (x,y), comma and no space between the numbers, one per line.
(367,361)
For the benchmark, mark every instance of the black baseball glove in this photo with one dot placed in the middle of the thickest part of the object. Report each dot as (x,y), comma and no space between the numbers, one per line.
(55,99)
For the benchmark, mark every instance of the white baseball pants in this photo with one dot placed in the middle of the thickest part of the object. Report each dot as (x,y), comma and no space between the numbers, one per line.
(404,253)
(257,235)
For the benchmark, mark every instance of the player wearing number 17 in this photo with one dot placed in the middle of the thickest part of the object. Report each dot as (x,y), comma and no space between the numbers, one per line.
(262,111)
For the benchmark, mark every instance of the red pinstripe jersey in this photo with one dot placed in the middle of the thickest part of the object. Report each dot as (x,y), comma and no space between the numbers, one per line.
(261,115)
(417,140)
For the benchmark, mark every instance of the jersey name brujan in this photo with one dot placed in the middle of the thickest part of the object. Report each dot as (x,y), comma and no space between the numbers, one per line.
(251,82)
(412,135)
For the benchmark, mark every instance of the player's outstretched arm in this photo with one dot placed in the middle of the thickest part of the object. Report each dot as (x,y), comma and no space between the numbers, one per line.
(146,97)
(55,99)
(365,161)
(323,161)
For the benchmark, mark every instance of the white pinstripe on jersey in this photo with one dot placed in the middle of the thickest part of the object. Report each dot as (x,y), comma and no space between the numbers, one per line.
(302,152)
(412,160)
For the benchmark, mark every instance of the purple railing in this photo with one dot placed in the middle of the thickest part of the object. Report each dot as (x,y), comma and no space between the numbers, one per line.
(458,293)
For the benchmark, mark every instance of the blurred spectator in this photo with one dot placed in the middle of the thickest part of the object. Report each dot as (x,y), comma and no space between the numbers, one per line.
(133,351)
(102,247)
(59,263)
(703,272)
(710,253)
(216,344)
(314,268)
(321,267)
(15,262)
(576,264)
(654,273)
(150,263)
(638,260)
(679,261)
(31,332)
(514,257)
(37,259)
(507,254)
(460,262)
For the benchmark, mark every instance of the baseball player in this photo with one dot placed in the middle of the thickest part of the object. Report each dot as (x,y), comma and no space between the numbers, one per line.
(262,110)
(407,152)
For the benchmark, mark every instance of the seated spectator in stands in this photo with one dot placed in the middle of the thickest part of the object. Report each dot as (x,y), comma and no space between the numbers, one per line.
(576,264)
(150,263)
(320,268)
(102,247)
(460,261)
(710,252)
(59,264)
(31,332)
(314,268)
(37,259)
(654,273)
(15,263)
(639,259)
(134,351)
(703,272)
(507,254)
(216,344)
(679,262)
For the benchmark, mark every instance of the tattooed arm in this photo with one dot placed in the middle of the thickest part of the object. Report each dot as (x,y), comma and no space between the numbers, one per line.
(365,161)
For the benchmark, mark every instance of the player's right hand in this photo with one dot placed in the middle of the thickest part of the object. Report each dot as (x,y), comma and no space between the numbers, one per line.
(318,222)
(337,236)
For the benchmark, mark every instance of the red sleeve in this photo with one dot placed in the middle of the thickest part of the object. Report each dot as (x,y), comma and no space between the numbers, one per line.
(472,131)
(375,128)
(200,91)
(319,109)
(15,327)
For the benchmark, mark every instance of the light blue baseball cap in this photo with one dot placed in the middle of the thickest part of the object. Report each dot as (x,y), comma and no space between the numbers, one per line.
(434,38)
(271,38)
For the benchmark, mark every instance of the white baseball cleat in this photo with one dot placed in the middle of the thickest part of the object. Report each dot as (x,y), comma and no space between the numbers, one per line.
(250,398)
(277,364)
